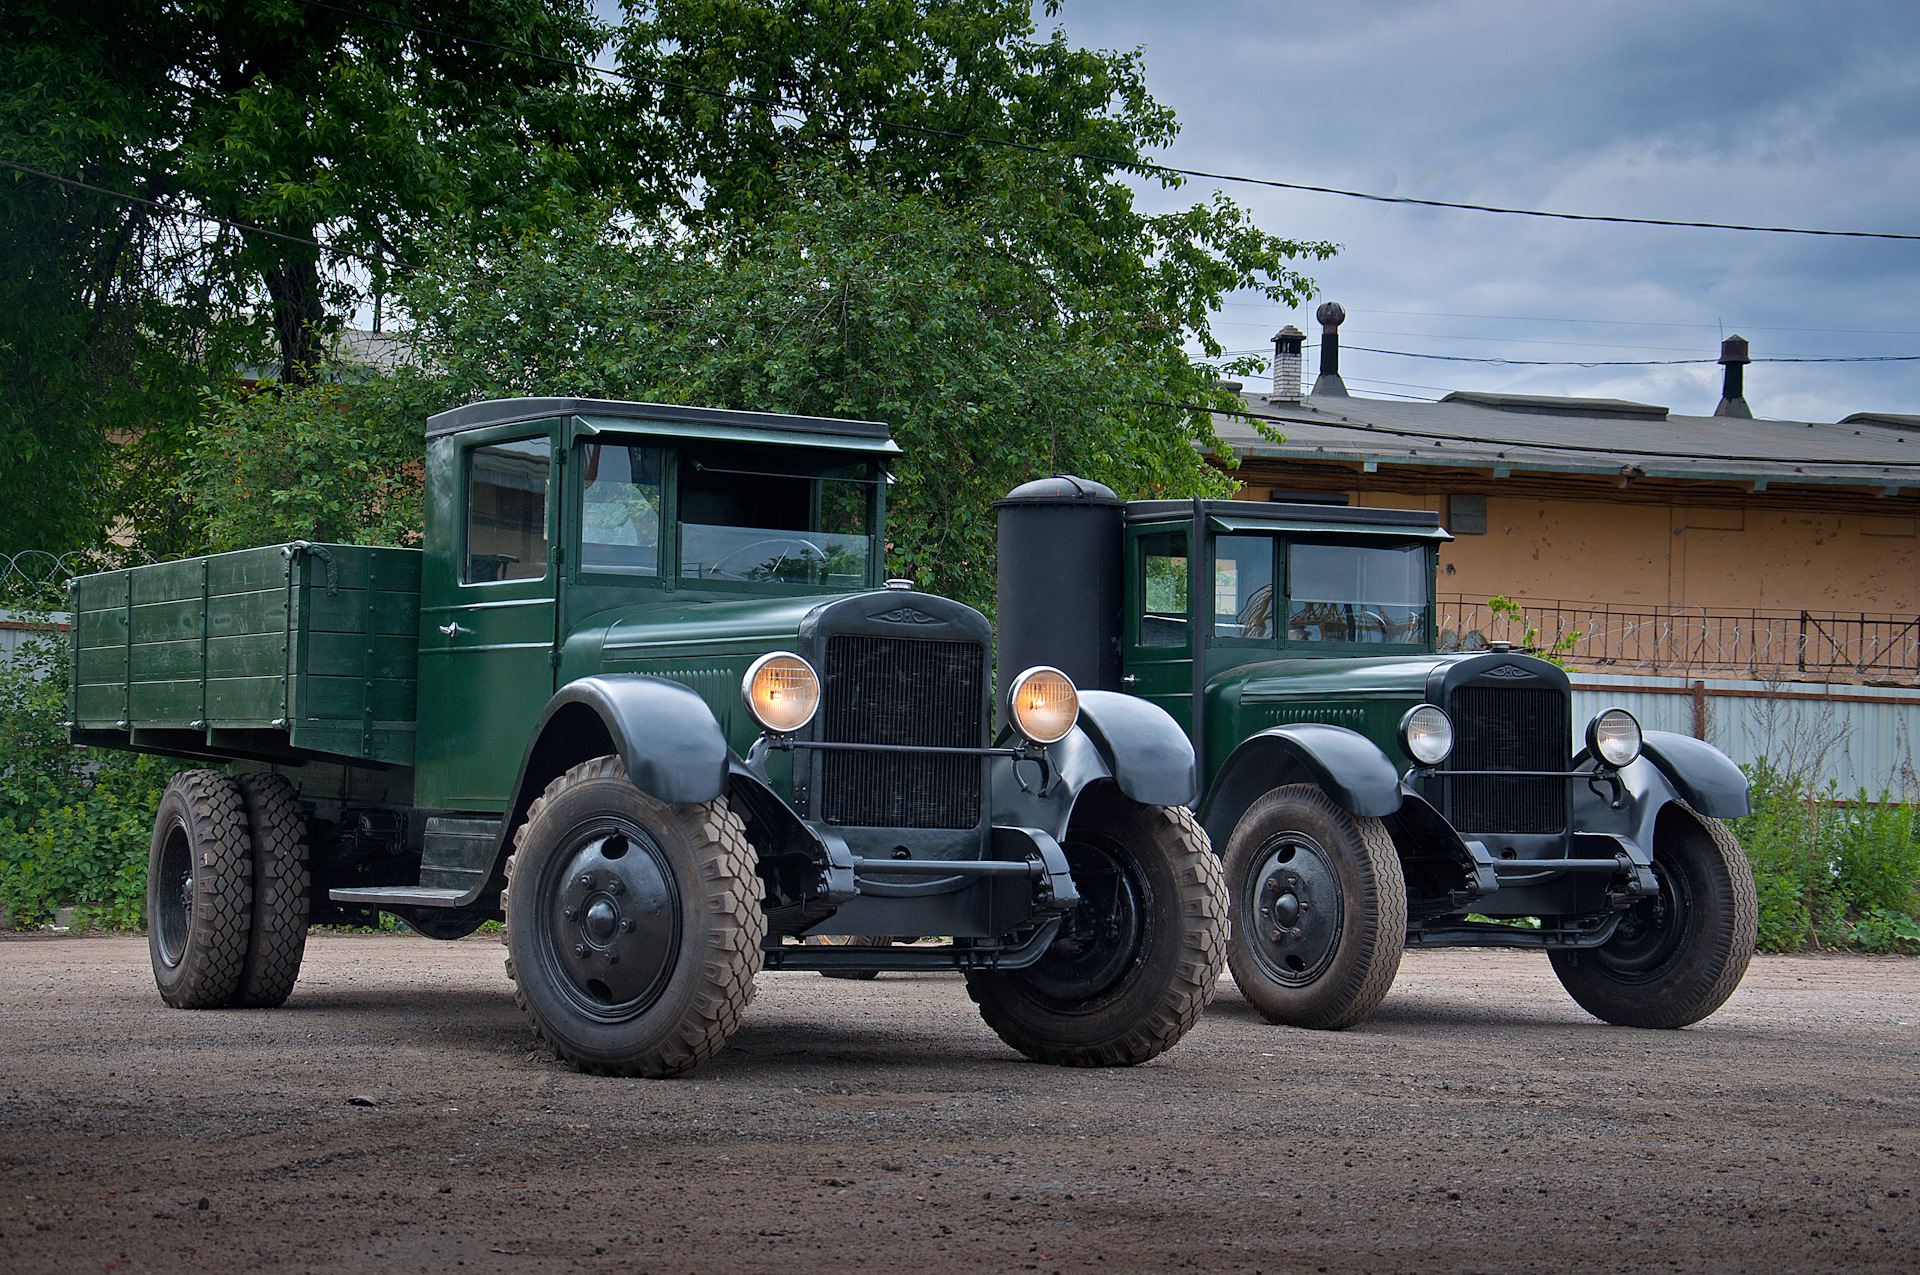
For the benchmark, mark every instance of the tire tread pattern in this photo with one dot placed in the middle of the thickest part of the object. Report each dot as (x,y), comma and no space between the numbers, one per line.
(736,926)
(1202,909)
(282,886)
(222,859)
(1383,895)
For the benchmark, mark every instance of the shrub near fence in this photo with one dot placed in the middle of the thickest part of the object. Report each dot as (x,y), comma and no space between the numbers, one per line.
(1831,872)
(75,823)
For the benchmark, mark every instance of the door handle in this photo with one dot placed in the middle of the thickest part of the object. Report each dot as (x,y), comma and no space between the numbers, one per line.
(452,627)
(1129,680)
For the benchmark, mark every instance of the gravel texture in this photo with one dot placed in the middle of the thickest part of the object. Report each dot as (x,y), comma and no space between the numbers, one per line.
(395,1115)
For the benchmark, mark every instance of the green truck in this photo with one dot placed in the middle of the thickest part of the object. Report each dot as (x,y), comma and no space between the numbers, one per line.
(645,695)
(1367,792)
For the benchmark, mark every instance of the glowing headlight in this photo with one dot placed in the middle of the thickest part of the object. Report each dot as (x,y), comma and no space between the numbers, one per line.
(1043,704)
(1614,737)
(781,692)
(1426,734)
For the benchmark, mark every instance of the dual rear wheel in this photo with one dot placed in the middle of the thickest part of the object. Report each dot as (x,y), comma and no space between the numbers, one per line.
(228,879)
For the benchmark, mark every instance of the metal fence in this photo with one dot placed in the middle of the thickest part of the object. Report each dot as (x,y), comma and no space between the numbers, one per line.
(1779,645)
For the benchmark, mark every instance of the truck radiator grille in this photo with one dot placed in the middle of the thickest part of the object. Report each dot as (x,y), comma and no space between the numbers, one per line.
(902,691)
(1496,728)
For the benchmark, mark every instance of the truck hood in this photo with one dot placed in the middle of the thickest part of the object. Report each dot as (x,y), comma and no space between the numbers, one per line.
(687,624)
(1274,681)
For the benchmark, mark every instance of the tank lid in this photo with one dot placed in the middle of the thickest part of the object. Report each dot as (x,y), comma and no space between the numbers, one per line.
(1061,489)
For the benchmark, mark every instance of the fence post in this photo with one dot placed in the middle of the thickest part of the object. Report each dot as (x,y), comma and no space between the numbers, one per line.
(1700,710)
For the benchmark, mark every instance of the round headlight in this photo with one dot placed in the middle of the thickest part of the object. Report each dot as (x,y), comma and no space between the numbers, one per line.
(1614,737)
(781,692)
(1043,704)
(1426,734)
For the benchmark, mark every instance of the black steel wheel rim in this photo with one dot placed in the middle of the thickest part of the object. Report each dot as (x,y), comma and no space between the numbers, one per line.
(1106,936)
(1651,933)
(173,895)
(1292,909)
(609,915)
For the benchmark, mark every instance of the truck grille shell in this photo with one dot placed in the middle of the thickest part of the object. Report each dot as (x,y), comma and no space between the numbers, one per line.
(891,690)
(1507,728)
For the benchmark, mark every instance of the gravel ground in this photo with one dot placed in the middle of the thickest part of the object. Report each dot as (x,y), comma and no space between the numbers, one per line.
(395,1116)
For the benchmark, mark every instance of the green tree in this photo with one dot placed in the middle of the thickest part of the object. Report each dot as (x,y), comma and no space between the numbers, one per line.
(296,118)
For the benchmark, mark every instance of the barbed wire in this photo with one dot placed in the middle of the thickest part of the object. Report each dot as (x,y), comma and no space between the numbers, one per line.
(36,579)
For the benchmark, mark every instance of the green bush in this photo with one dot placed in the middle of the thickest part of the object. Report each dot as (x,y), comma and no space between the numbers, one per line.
(75,823)
(1830,873)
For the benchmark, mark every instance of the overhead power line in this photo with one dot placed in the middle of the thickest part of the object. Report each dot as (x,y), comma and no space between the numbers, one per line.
(1140,164)
(1470,358)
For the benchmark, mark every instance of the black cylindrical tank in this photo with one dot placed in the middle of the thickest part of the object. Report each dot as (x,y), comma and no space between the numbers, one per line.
(1060,582)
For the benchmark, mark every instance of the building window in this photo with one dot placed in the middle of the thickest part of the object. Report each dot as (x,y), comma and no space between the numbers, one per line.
(1467,515)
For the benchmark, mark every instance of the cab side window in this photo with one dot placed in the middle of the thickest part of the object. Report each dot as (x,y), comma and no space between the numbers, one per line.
(1243,586)
(1163,589)
(507,491)
(620,509)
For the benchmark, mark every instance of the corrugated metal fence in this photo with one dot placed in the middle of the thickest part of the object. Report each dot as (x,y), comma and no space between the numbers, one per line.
(1855,736)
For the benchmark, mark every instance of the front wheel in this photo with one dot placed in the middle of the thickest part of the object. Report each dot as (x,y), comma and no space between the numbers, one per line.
(633,926)
(1676,957)
(1319,909)
(1137,960)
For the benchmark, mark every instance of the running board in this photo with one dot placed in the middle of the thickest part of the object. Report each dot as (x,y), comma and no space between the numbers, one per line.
(381,896)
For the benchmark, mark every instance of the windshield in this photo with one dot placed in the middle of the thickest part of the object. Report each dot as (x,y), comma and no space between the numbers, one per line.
(746,516)
(1355,593)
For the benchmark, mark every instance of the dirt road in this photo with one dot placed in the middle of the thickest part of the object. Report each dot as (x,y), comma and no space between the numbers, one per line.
(1480,1122)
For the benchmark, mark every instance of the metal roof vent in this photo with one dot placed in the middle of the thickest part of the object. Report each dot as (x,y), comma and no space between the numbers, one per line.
(1287,344)
(1331,316)
(1618,409)
(1733,398)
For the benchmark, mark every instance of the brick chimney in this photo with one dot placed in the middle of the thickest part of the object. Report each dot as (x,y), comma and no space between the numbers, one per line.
(1733,397)
(1331,316)
(1287,344)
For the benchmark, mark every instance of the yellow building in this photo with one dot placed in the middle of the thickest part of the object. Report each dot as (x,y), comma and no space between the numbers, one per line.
(1672,544)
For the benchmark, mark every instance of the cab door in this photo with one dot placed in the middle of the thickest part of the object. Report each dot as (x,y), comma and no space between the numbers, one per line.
(1157,637)
(488,613)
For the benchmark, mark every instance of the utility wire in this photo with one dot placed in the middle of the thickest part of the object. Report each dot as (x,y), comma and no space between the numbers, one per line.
(1139,164)
(1469,358)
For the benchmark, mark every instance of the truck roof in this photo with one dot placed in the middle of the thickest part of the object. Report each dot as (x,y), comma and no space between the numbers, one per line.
(671,419)
(1263,515)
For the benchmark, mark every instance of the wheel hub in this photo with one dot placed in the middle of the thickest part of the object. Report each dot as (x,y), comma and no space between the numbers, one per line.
(1293,908)
(615,920)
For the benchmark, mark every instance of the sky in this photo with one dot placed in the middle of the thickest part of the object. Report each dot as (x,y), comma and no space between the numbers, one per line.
(1769,113)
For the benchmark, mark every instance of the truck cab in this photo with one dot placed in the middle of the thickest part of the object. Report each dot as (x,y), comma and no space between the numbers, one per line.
(646,695)
(1367,791)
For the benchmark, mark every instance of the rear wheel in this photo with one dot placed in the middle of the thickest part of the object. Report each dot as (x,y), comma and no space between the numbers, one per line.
(1319,909)
(633,926)
(199,890)
(1678,956)
(282,883)
(1137,960)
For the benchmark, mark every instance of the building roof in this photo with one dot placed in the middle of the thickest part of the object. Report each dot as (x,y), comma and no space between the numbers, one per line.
(1508,434)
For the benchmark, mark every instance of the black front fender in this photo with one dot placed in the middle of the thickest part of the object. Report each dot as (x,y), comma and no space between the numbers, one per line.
(1343,763)
(1150,757)
(1706,777)
(666,735)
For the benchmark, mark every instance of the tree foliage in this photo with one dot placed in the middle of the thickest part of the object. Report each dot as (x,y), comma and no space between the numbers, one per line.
(330,462)
(299,119)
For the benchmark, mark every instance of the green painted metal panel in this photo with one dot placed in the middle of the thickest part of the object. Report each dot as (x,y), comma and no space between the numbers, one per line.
(1331,527)
(315,643)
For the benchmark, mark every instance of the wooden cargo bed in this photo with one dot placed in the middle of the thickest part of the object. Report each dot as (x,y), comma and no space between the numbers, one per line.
(282,653)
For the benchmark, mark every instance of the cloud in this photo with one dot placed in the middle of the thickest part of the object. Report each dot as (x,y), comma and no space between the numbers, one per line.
(1710,111)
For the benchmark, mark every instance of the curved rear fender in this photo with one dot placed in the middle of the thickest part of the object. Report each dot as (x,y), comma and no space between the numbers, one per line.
(1343,763)
(1145,750)
(1706,777)
(666,735)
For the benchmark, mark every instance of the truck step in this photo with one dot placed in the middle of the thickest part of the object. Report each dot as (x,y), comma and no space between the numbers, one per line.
(385,895)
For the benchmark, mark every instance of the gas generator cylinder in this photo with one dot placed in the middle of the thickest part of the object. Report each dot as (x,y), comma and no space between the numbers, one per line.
(1060,586)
